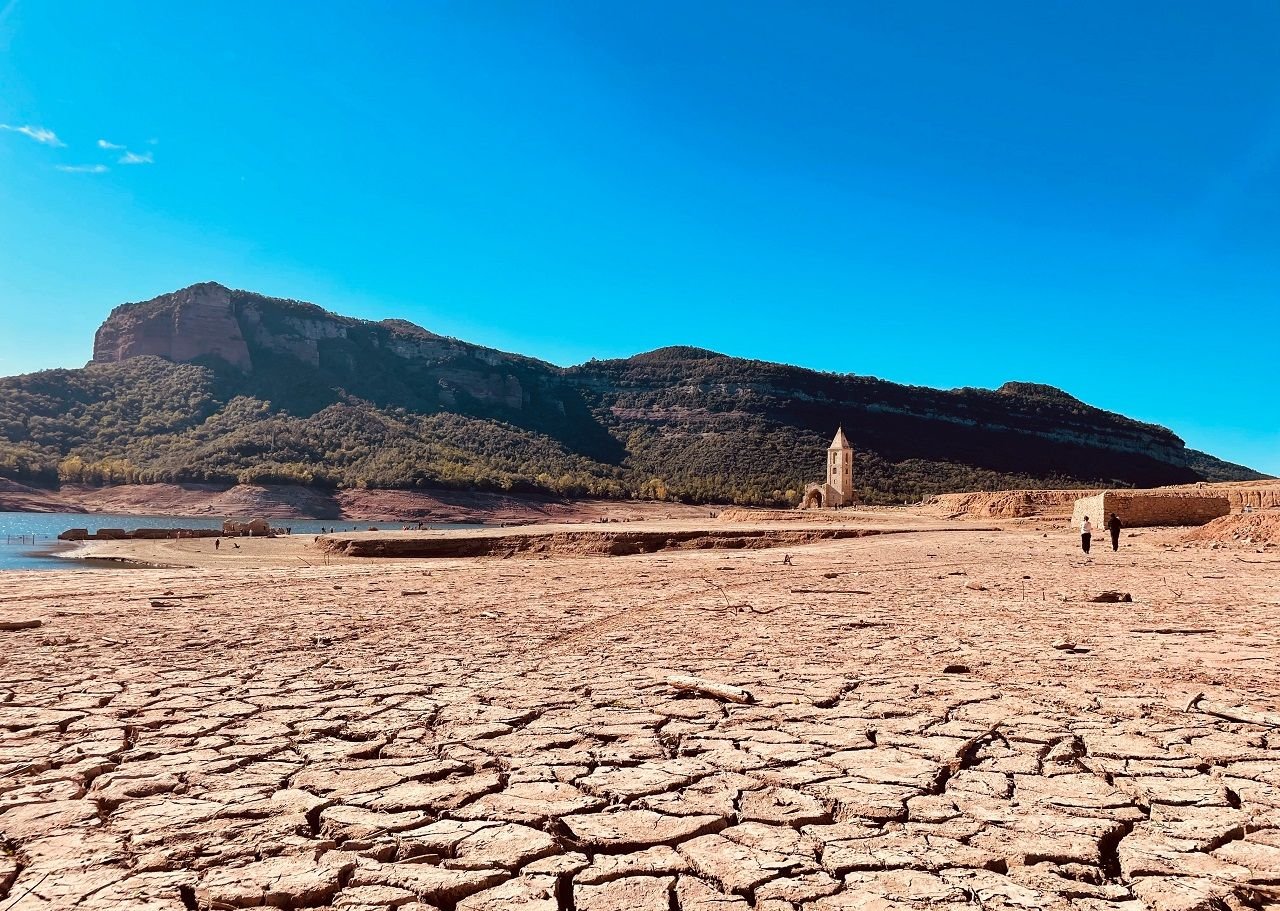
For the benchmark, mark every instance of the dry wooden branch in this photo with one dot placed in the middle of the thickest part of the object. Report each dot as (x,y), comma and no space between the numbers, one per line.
(1233,713)
(1173,631)
(829,591)
(7,625)
(724,691)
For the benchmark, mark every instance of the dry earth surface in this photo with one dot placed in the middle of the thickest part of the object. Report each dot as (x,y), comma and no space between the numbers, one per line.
(937,719)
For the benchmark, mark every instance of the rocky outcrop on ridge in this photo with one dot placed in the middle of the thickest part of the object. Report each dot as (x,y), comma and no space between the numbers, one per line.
(188,325)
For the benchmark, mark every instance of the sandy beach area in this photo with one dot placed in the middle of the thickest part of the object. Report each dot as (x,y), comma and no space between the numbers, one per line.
(935,718)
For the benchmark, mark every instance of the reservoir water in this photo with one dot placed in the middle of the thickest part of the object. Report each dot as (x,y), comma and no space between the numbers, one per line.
(28,540)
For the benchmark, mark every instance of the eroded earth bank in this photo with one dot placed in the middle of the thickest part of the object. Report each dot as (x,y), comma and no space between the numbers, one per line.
(937,720)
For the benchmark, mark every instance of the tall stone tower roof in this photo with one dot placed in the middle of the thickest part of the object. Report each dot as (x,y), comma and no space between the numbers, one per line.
(841,441)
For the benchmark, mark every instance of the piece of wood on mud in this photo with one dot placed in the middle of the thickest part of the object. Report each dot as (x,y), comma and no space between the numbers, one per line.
(724,691)
(1233,713)
(7,625)
(1111,597)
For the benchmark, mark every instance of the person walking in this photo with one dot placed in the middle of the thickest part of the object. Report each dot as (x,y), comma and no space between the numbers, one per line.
(1114,526)
(1086,534)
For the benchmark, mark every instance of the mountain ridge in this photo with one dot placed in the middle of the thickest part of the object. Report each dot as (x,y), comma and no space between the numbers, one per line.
(212,384)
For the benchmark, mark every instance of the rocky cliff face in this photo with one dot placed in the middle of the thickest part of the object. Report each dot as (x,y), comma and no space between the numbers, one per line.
(264,336)
(193,324)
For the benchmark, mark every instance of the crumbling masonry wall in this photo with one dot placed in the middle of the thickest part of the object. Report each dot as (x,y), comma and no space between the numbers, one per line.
(1139,508)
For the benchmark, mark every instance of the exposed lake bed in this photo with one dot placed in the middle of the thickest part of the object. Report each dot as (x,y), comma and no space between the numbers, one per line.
(29,540)
(957,699)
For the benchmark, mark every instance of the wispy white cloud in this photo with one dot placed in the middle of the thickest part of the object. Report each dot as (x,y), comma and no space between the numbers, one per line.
(135,158)
(103,144)
(39,134)
(83,168)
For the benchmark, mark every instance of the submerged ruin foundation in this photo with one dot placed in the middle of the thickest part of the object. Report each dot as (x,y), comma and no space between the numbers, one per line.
(1141,508)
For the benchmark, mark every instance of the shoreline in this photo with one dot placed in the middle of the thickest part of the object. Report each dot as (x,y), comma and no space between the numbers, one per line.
(531,541)
(283,502)
(56,556)
(73,552)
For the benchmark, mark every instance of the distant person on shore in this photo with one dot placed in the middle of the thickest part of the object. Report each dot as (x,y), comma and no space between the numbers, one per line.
(217,543)
(1086,535)
(1114,526)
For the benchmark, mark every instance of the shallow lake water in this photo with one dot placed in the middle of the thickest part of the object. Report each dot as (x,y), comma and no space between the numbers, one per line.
(29,540)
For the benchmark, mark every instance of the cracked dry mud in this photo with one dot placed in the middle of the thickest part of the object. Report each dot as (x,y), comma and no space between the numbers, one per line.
(500,734)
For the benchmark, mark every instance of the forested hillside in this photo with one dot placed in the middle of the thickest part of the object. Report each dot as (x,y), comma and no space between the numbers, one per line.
(279,391)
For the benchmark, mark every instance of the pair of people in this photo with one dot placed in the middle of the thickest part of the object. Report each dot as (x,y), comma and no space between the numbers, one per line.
(1086,532)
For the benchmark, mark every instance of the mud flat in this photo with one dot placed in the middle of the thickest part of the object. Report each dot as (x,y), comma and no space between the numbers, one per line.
(921,720)
(612,540)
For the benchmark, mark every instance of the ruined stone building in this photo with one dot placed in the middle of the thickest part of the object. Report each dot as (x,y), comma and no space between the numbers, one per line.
(1145,508)
(837,490)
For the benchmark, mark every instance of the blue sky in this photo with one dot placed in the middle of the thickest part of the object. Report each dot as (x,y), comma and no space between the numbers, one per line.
(1079,193)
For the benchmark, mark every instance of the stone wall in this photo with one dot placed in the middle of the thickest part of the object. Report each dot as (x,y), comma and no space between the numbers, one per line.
(252,528)
(138,534)
(1139,508)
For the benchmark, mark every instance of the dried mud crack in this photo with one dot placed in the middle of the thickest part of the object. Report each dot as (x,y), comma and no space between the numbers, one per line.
(508,735)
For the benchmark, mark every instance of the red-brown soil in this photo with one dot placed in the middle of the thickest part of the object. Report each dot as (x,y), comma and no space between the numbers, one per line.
(1250,528)
(289,501)
(15,497)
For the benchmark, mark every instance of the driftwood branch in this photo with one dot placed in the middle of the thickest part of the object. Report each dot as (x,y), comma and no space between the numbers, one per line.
(829,591)
(8,625)
(724,691)
(1233,713)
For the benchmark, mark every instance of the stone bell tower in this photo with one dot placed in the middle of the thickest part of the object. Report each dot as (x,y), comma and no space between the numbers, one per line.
(840,470)
(837,489)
